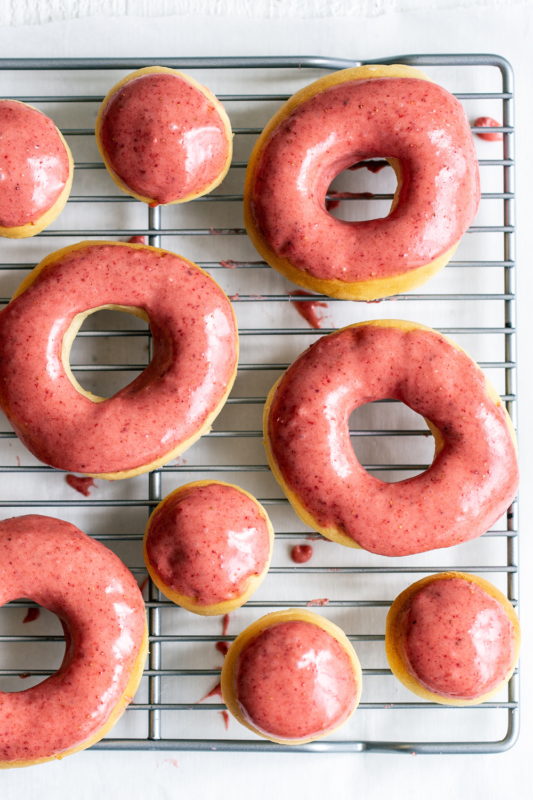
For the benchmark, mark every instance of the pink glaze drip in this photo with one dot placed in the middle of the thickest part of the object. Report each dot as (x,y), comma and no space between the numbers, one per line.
(222,647)
(307,308)
(371,166)
(195,352)
(457,640)
(225,624)
(102,613)
(207,542)
(34,165)
(467,488)
(163,137)
(215,692)
(225,717)
(488,122)
(32,615)
(319,601)
(295,681)
(410,119)
(81,485)
(301,553)
(137,240)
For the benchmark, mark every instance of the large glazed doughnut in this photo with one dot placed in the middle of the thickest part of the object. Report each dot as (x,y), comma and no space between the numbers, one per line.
(292,677)
(164,137)
(102,613)
(163,411)
(474,474)
(208,546)
(453,638)
(394,112)
(36,170)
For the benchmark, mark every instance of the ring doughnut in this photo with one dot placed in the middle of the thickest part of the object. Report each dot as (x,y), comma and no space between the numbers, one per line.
(344,118)
(166,408)
(292,677)
(36,170)
(164,137)
(466,642)
(208,546)
(474,474)
(102,613)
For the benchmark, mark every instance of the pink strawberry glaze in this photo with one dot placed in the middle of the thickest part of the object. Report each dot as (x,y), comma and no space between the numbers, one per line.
(410,119)
(457,640)
(488,122)
(102,613)
(294,681)
(207,541)
(466,489)
(34,165)
(195,353)
(163,137)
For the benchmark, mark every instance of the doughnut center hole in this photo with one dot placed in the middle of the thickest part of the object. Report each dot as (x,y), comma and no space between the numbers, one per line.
(362,192)
(97,354)
(22,658)
(390,433)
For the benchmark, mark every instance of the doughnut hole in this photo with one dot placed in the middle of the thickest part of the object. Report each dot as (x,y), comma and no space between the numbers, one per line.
(96,354)
(378,437)
(19,657)
(362,192)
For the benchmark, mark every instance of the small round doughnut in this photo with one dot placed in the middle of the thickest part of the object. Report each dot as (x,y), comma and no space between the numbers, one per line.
(292,677)
(208,546)
(344,118)
(166,408)
(474,474)
(102,613)
(36,170)
(453,638)
(164,138)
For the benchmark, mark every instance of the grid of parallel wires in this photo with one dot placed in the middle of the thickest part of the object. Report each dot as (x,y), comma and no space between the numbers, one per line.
(156,605)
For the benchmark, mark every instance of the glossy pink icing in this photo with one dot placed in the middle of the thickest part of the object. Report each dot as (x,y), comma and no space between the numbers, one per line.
(195,353)
(410,119)
(456,639)
(488,122)
(102,613)
(206,542)
(34,165)
(466,489)
(294,681)
(163,137)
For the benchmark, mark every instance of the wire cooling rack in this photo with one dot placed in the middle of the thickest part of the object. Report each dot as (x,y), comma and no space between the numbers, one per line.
(473,300)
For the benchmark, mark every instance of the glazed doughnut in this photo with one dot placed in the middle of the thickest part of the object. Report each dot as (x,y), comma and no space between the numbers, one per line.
(474,474)
(453,638)
(166,408)
(208,546)
(292,677)
(102,613)
(336,122)
(164,138)
(36,170)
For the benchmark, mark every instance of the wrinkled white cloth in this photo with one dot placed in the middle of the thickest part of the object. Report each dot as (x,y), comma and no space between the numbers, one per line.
(35,12)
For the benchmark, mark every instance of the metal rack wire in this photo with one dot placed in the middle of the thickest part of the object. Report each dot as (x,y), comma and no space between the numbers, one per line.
(154,737)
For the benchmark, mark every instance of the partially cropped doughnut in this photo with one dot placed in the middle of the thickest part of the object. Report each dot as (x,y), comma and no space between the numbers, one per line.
(393,112)
(165,409)
(102,613)
(453,638)
(36,170)
(292,677)
(474,475)
(164,137)
(208,546)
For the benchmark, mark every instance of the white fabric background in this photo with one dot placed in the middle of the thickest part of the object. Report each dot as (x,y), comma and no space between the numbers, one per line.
(186,775)
(31,12)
